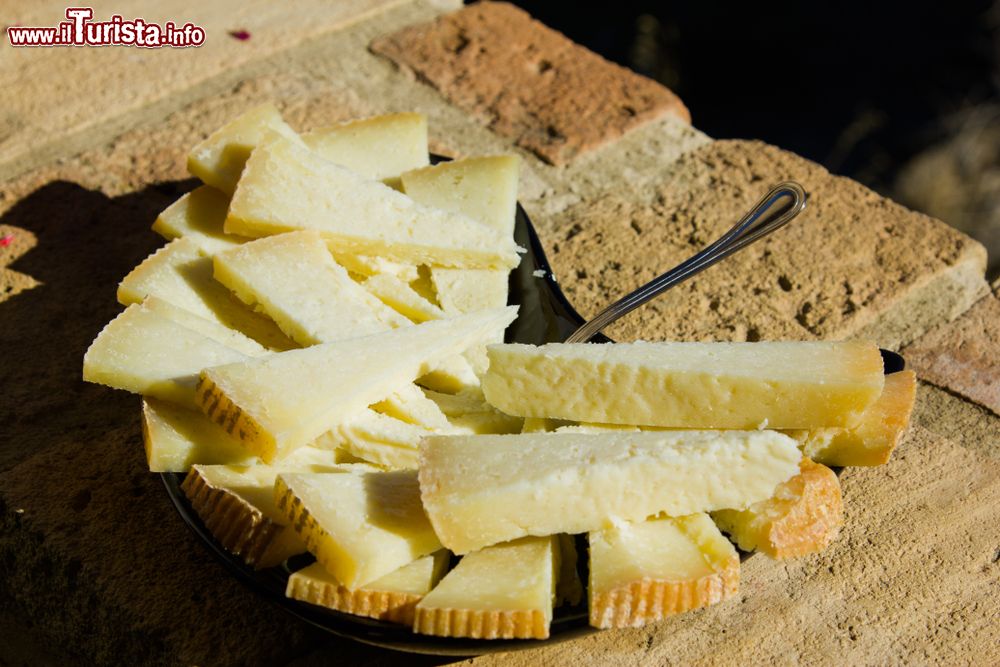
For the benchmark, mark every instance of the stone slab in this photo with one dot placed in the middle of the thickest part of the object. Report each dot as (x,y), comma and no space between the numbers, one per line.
(854,264)
(527,81)
(73,92)
(963,356)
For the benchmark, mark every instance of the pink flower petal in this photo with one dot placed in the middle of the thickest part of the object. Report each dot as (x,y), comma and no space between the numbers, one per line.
(242,35)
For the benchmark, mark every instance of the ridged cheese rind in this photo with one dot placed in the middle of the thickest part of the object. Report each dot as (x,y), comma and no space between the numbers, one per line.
(480,490)
(643,572)
(802,517)
(379,147)
(781,385)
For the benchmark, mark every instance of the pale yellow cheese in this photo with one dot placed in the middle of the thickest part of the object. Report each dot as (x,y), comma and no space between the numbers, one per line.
(360,526)
(643,572)
(377,148)
(481,188)
(872,441)
(370,265)
(146,353)
(382,440)
(294,280)
(177,438)
(178,273)
(211,328)
(390,598)
(396,294)
(410,404)
(284,401)
(218,160)
(688,385)
(484,489)
(500,592)
(286,188)
(451,375)
(199,216)
(468,413)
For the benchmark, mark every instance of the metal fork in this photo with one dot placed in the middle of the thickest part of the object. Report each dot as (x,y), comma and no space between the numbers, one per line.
(773,211)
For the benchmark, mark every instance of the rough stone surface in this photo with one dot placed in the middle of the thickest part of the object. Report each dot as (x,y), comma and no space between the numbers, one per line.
(963,356)
(527,81)
(852,265)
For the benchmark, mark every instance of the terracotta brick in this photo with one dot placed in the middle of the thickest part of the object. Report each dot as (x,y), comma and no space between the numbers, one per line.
(528,82)
(963,356)
(853,264)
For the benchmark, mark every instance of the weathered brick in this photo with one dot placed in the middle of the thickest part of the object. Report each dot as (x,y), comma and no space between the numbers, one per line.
(527,81)
(853,264)
(963,356)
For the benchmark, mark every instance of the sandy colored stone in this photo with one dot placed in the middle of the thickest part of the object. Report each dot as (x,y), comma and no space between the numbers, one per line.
(72,92)
(854,264)
(527,81)
(14,242)
(963,356)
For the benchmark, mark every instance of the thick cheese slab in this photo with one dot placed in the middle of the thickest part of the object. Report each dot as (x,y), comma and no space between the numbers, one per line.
(177,438)
(802,517)
(293,279)
(391,598)
(377,148)
(218,160)
(501,592)
(146,353)
(178,273)
(286,188)
(481,188)
(688,385)
(236,504)
(871,442)
(360,526)
(399,296)
(199,216)
(643,572)
(480,490)
(281,402)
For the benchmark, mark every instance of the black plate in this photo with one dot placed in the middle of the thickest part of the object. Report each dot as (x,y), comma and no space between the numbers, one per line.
(545,316)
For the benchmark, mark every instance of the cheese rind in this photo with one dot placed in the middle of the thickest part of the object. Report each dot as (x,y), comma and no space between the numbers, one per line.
(501,592)
(361,526)
(178,274)
(480,490)
(802,517)
(219,160)
(391,598)
(688,385)
(286,188)
(872,441)
(176,438)
(293,279)
(199,216)
(143,352)
(644,572)
(281,402)
(378,148)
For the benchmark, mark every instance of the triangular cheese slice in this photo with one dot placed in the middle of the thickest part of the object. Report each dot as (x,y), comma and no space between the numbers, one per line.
(286,187)
(199,216)
(294,280)
(288,399)
(378,148)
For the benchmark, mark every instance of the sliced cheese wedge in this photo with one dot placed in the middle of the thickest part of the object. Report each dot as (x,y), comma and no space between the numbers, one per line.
(236,504)
(369,265)
(802,517)
(199,216)
(177,438)
(382,440)
(218,160)
(391,598)
(480,490)
(410,404)
(501,592)
(468,413)
(143,352)
(481,188)
(286,187)
(871,442)
(643,572)
(211,328)
(688,385)
(293,279)
(399,296)
(276,404)
(377,148)
(178,273)
(452,375)
(361,526)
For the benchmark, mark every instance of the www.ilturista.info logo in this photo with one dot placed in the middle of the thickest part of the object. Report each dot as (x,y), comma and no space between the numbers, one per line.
(80,30)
